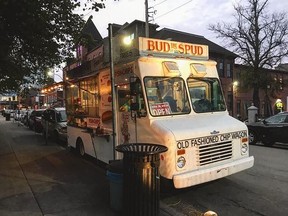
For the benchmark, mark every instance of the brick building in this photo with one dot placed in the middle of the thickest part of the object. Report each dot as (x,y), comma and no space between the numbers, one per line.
(274,91)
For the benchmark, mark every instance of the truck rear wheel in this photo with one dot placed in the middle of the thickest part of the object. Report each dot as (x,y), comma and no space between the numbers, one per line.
(80,147)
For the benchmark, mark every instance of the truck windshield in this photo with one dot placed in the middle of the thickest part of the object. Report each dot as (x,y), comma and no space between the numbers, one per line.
(166,96)
(206,95)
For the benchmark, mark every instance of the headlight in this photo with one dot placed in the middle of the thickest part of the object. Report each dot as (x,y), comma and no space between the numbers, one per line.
(63,130)
(181,162)
(244,148)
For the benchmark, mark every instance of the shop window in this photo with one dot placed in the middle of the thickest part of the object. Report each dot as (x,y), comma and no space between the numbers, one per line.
(82,101)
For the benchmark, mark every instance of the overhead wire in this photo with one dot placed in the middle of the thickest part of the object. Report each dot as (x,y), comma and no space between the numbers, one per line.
(173,9)
(159,3)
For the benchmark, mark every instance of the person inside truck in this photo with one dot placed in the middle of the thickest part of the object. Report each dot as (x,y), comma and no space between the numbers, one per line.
(201,104)
(172,103)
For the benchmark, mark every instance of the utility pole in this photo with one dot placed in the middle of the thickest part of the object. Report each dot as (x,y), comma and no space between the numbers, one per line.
(146,20)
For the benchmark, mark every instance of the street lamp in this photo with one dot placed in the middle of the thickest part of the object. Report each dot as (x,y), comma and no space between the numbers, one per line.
(52,75)
(234,98)
(57,86)
(113,93)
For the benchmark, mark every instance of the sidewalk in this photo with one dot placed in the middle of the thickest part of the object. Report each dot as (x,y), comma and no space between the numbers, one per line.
(38,179)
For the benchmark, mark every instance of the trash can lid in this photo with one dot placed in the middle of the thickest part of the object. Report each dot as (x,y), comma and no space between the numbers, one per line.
(141,148)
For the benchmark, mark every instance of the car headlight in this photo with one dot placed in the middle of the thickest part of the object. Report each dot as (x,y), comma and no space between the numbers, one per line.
(63,130)
(244,148)
(181,162)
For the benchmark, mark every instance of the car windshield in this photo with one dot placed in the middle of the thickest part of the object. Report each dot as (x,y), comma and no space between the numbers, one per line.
(61,116)
(279,118)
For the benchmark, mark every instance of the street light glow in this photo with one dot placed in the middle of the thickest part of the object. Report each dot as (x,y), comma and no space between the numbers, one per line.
(127,40)
(235,83)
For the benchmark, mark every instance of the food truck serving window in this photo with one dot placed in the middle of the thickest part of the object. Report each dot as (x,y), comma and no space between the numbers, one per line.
(82,102)
(206,95)
(166,96)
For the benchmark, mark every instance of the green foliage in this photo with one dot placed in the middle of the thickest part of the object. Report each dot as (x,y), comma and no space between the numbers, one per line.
(35,35)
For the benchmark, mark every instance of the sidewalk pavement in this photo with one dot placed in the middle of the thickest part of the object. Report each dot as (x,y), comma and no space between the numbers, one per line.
(39,179)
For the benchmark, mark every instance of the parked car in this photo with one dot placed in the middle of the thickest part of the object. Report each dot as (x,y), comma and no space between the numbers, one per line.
(270,130)
(26,117)
(8,113)
(34,121)
(54,121)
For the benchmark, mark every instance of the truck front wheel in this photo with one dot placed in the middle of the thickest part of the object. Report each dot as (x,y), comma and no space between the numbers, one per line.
(166,185)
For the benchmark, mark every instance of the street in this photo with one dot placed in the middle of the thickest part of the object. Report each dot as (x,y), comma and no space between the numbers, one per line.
(261,190)
(61,183)
(40,179)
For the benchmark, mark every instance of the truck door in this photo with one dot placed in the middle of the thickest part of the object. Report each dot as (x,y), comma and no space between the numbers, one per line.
(130,105)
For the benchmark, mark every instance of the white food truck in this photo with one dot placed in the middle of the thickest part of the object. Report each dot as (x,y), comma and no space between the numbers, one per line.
(168,94)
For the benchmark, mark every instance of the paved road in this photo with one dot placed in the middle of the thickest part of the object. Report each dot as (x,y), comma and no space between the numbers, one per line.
(38,179)
(261,190)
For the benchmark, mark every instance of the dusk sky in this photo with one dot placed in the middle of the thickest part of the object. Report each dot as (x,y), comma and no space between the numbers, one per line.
(192,16)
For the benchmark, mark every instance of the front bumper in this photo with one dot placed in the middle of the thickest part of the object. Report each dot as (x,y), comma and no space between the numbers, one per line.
(200,176)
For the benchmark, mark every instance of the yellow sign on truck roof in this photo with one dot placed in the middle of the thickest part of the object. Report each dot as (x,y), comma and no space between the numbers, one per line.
(165,48)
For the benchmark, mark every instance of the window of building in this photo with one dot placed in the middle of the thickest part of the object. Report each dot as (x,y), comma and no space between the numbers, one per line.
(221,68)
(230,101)
(228,70)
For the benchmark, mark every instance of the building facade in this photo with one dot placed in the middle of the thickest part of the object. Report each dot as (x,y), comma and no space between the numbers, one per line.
(275,91)
(9,101)
(53,95)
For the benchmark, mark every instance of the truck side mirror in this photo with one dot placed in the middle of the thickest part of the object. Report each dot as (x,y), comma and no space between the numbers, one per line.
(140,113)
(134,106)
(135,88)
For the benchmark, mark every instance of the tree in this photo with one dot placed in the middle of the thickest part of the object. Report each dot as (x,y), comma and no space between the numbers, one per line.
(259,38)
(37,35)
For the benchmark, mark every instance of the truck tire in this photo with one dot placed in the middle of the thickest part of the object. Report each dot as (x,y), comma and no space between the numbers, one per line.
(166,185)
(80,147)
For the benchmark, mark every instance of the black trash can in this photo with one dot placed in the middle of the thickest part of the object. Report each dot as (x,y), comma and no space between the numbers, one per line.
(8,115)
(141,180)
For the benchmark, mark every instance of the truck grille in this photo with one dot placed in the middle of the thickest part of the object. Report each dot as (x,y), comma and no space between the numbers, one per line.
(214,152)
